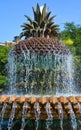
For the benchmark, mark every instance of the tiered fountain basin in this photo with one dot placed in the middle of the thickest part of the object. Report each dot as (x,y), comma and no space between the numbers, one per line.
(67,105)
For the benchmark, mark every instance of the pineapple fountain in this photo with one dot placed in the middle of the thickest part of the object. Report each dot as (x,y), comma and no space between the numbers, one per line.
(41,92)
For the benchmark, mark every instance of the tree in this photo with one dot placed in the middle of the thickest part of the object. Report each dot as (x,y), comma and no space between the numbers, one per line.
(41,26)
(3,61)
(16,39)
(69,31)
(73,32)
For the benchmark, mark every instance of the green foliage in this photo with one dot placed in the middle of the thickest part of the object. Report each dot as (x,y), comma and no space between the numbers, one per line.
(69,31)
(73,32)
(16,39)
(3,81)
(68,41)
(3,61)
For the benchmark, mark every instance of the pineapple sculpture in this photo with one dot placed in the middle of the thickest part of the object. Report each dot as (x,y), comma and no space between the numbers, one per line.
(37,60)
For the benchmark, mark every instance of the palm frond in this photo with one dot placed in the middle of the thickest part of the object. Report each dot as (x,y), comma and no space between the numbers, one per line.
(29,19)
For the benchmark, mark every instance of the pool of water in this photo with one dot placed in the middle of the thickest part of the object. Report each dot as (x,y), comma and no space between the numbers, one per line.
(40,125)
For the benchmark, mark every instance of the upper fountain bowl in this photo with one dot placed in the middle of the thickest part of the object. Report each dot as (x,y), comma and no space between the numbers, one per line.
(39,66)
(41,45)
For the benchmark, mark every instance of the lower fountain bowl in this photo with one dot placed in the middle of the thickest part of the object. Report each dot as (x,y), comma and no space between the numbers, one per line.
(51,104)
(36,113)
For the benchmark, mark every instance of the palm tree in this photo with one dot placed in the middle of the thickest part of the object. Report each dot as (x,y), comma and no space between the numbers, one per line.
(16,39)
(41,26)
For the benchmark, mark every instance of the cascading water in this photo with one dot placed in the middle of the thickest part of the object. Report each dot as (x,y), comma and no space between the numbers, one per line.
(33,72)
(60,111)
(49,116)
(37,113)
(2,114)
(79,121)
(10,123)
(79,104)
(73,118)
(12,72)
(24,113)
(70,71)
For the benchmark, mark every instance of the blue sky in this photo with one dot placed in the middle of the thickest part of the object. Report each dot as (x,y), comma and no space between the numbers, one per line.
(12,14)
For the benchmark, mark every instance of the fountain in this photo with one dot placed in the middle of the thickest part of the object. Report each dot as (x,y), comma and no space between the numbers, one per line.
(42,92)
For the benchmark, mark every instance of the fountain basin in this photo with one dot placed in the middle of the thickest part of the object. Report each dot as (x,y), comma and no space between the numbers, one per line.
(52,100)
